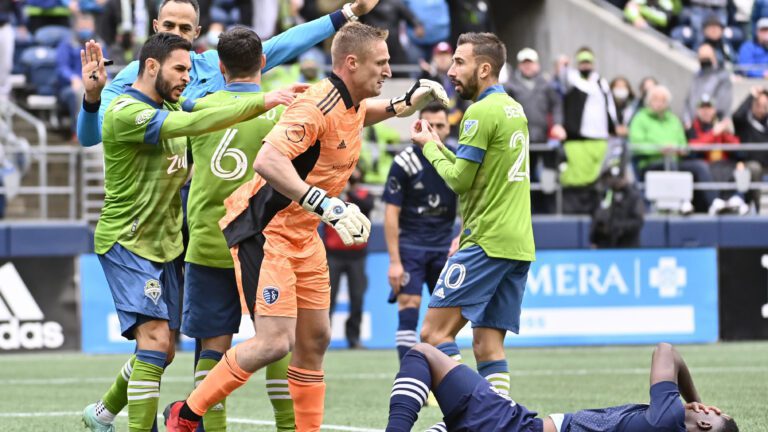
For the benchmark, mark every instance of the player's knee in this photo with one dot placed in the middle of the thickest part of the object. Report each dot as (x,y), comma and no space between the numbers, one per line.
(406,301)
(432,336)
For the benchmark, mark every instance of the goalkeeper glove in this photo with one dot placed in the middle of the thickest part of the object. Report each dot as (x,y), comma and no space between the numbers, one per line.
(351,225)
(417,97)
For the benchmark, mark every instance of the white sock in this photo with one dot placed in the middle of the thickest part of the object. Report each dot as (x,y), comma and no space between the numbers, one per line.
(103,414)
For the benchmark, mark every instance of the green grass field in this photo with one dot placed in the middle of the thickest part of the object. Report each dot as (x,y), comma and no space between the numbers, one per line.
(45,392)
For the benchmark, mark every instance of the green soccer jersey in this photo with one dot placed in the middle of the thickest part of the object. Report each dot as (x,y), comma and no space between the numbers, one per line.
(145,165)
(495,204)
(223,162)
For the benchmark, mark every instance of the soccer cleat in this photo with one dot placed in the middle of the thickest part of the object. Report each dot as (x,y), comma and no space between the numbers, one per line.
(91,422)
(174,423)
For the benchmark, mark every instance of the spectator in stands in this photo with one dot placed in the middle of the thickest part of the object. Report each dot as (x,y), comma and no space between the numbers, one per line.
(126,24)
(9,10)
(759,10)
(437,70)
(659,14)
(753,55)
(309,69)
(698,11)
(589,120)
(713,34)
(350,260)
(656,132)
(41,13)
(708,128)
(751,119)
(436,21)
(646,84)
(388,14)
(377,152)
(711,80)
(469,16)
(69,68)
(618,220)
(542,106)
(624,99)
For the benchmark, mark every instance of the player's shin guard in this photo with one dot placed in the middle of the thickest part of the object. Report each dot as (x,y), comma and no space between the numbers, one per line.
(144,389)
(221,381)
(115,399)
(451,350)
(496,373)
(405,337)
(409,392)
(215,420)
(280,395)
(308,392)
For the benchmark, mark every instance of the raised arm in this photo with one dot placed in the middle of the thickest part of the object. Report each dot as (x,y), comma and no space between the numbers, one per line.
(668,365)
(296,40)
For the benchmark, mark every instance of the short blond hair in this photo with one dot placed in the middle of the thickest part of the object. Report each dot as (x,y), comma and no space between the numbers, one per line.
(355,38)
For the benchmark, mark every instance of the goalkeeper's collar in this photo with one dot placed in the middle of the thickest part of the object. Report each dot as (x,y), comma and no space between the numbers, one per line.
(496,88)
(343,91)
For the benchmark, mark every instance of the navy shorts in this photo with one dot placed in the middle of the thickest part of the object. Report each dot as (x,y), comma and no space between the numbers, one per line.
(420,267)
(142,290)
(488,290)
(471,404)
(211,302)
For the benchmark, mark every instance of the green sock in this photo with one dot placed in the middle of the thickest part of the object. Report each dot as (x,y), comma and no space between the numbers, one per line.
(116,398)
(144,390)
(215,420)
(279,396)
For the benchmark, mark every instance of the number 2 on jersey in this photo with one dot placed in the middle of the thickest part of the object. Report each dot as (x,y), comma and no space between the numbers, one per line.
(222,151)
(521,167)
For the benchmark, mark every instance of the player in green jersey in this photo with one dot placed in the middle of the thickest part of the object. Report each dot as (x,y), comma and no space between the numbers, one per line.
(212,311)
(484,281)
(139,232)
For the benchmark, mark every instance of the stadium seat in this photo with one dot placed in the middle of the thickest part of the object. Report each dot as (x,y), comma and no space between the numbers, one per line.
(555,232)
(668,190)
(40,69)
(20,43)
(51,36)
(743,231)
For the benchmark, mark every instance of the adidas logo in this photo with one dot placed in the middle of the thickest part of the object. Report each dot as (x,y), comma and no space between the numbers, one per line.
(440,293)
(419,185)
(21,320)
(342,146)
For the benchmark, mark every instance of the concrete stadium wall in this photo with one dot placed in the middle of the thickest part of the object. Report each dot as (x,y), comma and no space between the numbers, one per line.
(555,27)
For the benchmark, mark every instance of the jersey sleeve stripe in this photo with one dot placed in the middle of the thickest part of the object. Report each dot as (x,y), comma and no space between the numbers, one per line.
(470,153)
(188,105)
(329,106)
(327,97)
(152,132)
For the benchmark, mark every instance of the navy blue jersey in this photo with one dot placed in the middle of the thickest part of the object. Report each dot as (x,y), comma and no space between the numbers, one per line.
(428,205)
(471,404)
(665,414)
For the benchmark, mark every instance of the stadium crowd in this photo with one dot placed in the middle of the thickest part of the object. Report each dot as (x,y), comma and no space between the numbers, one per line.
(590,123)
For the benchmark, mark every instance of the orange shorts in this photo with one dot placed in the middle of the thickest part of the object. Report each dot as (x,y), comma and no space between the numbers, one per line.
(273,282)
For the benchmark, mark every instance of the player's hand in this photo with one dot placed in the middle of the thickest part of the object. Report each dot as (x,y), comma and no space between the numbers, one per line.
(278,97)
(417,97)
(395,276)
(298,87)
(94,72)
(454,245)
(422,133)
(351,225)
(362,7)
(699,407)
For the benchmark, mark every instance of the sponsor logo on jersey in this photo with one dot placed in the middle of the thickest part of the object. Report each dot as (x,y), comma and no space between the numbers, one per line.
(144,116)
(271,295)
(295,133)
(152,290)
(22,322)
(470,127)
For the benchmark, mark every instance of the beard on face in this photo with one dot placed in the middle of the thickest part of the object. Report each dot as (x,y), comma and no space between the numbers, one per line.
(469,88)
(165,88)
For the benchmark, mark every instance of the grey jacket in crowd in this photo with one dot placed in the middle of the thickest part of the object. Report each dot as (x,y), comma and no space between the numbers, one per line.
(539,100)
(717,84)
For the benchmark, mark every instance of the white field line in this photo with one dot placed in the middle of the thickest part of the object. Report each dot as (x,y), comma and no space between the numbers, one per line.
(229,420)
(390,376)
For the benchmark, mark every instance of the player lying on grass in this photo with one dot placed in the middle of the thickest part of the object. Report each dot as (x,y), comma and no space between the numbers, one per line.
(471,404)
